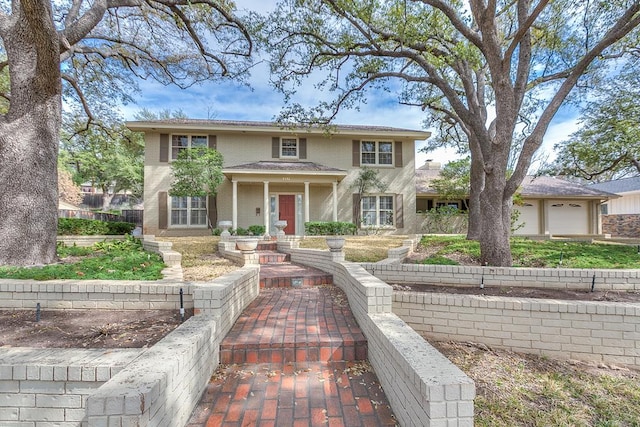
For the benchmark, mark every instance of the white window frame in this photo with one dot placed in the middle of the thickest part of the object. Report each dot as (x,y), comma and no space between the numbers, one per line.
(377,211)
(296,141)
(377,153)
(175,149)
(189,211)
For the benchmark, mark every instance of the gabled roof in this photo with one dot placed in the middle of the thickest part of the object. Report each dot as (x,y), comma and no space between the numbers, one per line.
(623,185)
(540,187)
(272,128)
(285,168)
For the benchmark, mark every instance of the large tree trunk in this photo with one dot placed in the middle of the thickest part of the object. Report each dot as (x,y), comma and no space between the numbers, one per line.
(495,248)
(29,139)
(474,229)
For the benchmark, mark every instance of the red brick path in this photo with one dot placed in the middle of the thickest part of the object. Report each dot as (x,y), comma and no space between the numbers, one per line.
(333,394)
(295,357)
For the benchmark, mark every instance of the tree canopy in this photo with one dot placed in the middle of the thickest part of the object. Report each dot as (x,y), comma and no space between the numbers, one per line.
(90,53)
(489,69)
(607,146)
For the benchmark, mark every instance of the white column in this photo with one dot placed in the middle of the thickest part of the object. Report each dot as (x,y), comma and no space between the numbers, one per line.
(234,204)
(306,201)
(335,201)
(265,208)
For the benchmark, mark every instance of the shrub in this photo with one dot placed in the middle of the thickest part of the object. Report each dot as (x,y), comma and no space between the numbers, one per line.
(120,228)
(91,227)
(323,228)
(445,220)
(257,230)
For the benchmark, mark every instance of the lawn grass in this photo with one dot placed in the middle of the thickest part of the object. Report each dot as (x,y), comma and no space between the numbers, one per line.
(516,390)
(359,248)
(114,260)
(538,253)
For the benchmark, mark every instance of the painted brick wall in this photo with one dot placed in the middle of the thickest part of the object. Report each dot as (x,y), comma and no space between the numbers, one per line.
(556,278)
(582,330)
(88,294)
(54,390)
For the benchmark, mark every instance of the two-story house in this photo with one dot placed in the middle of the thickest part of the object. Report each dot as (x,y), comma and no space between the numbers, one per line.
(274,173)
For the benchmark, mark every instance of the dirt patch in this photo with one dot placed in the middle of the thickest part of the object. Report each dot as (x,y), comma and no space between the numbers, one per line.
(507,291)
(86,328)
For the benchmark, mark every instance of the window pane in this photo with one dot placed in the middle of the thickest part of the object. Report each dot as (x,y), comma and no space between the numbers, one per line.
(386,218)
(385,153)
(198,217)
(199,141)
(180,141)
(384,158)
(289,147)
(368,147)
(385,147)
(386,202)
(198,203)
(369,203)
(368,158)
(178,202)
(179,217)
(369,218)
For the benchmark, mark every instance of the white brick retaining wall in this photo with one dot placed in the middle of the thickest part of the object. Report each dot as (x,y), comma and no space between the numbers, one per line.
(159,386)
(93,294)
(423,387)
(557,278)
(583,330)
(50,387)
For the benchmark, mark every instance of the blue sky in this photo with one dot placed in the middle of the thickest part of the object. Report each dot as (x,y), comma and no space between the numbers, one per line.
(228,101)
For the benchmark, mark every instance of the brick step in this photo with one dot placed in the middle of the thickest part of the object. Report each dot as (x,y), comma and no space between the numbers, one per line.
(267,246)
(292,276)
(271,257)
(285,325)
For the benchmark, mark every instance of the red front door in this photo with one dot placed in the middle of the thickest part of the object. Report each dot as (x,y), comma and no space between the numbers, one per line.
(287,212)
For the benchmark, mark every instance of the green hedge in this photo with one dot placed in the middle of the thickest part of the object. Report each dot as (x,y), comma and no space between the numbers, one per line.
(325,228)
(92,227)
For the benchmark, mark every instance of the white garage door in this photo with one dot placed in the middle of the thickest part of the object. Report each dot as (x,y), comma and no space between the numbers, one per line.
(529,217)
(568,217)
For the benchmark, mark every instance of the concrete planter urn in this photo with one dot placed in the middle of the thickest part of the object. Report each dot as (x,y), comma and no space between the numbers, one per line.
(247,246)
(225,226)
(335,243)
(280,226)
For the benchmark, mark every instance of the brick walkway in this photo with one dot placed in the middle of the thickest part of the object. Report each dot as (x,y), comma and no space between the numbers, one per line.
(334,394)
(295,357)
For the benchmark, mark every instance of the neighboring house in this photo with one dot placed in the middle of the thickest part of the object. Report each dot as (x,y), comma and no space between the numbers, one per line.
(273,173)
(550,206)
(621,216)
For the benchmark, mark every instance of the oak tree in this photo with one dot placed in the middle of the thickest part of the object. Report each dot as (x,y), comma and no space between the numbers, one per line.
(485,65)
(71,48)
(607,146)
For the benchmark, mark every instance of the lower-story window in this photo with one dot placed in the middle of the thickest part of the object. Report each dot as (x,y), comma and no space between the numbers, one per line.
(377,211)
(189,211)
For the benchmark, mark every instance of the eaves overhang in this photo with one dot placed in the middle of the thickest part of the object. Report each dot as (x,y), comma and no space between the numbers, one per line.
(229,126)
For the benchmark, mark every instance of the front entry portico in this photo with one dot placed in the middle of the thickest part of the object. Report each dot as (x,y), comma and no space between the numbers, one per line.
(297,192)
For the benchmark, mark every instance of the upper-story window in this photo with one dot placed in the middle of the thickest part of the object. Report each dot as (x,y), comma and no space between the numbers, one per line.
(376,153)
(289,148)
(181,142)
